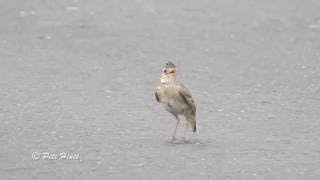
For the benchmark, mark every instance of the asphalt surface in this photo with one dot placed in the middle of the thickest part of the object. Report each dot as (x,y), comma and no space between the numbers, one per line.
(78,77)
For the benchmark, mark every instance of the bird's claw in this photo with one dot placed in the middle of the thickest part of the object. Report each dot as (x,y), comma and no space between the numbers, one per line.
(178,140)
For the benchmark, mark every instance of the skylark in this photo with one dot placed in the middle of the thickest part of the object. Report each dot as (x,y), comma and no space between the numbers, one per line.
(176,98)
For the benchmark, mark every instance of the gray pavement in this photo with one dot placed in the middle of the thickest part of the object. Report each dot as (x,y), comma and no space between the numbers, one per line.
(78,77)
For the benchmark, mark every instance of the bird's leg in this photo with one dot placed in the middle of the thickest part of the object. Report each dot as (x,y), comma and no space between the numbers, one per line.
(175,130)
(185,130)
(176,140)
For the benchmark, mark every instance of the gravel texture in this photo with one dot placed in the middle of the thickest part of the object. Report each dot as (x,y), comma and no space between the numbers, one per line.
(78,77)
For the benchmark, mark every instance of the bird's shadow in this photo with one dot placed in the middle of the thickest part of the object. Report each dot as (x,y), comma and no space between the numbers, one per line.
(198,142)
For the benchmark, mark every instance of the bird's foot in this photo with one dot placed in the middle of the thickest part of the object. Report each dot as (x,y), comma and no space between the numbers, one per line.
(178,140)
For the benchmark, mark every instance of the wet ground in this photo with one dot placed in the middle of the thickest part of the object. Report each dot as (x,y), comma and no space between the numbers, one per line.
(78,77)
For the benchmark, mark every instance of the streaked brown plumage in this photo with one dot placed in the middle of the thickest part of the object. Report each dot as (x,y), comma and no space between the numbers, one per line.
(175,97)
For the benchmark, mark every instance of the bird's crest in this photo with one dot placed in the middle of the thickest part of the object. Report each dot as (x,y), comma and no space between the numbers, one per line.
(170,65)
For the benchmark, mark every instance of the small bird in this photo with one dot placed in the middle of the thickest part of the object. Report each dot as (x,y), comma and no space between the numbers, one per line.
(176,99)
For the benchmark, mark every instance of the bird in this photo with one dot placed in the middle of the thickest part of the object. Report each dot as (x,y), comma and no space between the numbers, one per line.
(176,99)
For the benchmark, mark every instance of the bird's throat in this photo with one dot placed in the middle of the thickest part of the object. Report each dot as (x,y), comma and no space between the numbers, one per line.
(167,79)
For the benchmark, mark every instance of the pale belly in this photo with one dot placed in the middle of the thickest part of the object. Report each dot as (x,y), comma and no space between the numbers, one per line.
(174,106)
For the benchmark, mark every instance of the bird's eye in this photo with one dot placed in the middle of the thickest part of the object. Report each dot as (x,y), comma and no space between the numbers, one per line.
(165,71)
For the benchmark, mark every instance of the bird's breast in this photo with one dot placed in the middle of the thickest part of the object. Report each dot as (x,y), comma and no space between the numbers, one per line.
(174,105)
(170,98)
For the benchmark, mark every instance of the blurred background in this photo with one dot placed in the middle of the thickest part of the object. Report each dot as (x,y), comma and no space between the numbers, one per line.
(79,77)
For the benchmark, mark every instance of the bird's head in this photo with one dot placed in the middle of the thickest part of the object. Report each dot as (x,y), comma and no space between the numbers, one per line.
(168,73)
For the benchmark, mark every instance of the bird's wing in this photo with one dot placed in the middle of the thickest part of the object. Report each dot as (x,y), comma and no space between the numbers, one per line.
(156,94)
(187,97)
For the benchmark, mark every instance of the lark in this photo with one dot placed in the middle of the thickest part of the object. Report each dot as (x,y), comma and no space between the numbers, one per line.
(176,99)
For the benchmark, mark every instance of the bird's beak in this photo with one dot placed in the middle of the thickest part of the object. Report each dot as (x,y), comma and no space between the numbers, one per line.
(170,72)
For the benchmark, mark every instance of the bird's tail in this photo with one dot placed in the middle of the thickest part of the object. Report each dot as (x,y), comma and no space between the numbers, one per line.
(192,120)
(194,127)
